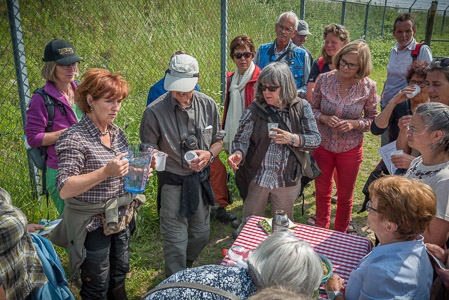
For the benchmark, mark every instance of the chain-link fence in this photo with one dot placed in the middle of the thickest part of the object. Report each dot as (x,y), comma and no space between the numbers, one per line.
(137,37)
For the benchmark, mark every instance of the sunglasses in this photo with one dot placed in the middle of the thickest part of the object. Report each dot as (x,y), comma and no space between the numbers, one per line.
(270,88)
(441,62)
(239,55)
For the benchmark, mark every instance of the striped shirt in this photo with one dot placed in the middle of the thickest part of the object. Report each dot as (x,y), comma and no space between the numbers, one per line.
(359,104)
(81,151)
(271,173)
(21,270)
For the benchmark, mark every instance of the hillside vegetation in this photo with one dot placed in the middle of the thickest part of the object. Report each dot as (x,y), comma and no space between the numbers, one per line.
(138,38)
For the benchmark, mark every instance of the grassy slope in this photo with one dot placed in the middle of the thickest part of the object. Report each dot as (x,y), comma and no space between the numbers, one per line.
(138,39)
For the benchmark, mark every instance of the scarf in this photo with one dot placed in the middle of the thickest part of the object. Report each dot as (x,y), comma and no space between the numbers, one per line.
(236,104)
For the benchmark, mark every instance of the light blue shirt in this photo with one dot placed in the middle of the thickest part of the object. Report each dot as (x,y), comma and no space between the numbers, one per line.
(394,271)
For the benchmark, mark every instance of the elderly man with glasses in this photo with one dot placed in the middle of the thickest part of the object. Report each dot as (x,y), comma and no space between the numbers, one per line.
(175,123)
(284,50)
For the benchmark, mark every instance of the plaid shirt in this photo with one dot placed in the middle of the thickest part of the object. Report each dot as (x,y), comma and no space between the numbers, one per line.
(21,270)
(80,151)
(271,173)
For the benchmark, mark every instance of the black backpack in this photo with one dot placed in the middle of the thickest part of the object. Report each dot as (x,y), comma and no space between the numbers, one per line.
(39,154)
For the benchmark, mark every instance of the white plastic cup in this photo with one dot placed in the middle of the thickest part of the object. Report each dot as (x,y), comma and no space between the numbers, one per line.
(397,152)
(161,158)
(416,92)
(272,125)
(189,156)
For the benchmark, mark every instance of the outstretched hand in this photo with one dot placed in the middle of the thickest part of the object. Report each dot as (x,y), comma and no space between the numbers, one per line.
(235,159)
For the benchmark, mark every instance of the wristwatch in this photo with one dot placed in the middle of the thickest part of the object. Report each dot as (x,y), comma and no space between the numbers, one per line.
(211,159)
(333,294)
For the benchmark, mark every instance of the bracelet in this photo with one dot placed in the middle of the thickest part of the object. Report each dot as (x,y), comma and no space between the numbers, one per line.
(293,139)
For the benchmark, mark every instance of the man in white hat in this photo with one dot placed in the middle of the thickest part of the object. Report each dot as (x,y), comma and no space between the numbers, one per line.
(175,123)
(301,37)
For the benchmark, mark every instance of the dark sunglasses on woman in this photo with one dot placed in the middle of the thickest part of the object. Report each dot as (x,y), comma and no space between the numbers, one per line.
(270,88)
(239,55)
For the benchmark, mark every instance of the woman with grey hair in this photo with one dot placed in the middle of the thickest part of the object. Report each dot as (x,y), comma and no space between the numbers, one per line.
(428,132)
(288,262)
(266,163)
(282,262)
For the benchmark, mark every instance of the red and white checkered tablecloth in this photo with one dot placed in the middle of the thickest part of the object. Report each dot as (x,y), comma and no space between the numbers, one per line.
(344,250)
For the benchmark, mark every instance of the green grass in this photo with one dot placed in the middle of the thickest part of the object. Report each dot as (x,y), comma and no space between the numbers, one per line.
(138,38)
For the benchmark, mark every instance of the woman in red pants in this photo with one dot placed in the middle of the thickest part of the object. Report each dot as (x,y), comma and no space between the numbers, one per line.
(344,103)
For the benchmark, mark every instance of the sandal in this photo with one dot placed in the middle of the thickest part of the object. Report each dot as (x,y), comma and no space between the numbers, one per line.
(351,228)
(311,221)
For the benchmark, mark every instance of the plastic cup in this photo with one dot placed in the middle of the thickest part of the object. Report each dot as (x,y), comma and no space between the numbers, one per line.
(416,92)
(189,156)
(236,253)
(272,125)
(397,152)
(161,159)
(139,157)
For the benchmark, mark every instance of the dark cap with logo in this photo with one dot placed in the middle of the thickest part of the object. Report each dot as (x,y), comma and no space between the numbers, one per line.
(61,52)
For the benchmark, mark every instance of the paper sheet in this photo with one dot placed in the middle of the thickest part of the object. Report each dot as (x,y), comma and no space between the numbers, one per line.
(385,152)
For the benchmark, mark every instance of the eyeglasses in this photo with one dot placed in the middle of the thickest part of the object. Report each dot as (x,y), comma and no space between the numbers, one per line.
(413,130)
(282,28)
(270,88)
(440,62)
(239,55)
(344,63)
(369,206)
(419,83)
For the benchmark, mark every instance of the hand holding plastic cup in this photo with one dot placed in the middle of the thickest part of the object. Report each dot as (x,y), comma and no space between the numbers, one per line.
(397,152)
(416,92)
(161,159)
(272,132)
(189,156)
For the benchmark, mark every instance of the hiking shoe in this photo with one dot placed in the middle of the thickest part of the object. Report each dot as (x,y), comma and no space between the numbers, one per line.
(223,216)
(236,223)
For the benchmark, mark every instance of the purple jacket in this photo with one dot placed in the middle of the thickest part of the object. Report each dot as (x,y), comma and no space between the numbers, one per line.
(37,119)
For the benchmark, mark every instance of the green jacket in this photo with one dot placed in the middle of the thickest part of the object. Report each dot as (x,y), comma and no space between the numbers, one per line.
(71,231)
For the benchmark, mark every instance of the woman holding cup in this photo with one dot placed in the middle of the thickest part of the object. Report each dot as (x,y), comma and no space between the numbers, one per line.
(99,213)
(344,103)
(266,164)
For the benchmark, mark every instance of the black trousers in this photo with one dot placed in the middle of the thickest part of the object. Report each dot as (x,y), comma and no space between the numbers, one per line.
(106,263)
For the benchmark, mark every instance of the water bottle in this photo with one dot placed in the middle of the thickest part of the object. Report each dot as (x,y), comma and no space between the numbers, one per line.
(280,221)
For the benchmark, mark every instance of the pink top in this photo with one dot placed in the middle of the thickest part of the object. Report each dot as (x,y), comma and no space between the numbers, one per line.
(359,104)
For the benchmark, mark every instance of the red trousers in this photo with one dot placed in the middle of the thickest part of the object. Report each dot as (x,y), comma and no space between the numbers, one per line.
(347,165)
(218,182)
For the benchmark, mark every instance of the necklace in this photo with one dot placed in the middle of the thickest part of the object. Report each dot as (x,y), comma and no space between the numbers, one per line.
(105,133)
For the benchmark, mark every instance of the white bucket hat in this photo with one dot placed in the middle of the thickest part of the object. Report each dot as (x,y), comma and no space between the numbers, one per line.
(182,74)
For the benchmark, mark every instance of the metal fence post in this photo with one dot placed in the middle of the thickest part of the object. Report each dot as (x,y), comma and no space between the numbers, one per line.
(15,26)
(343,12)
(410,8)
(224,48)
(366,19)
(444,18)
(383,19)
(302,10)
(431,20)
